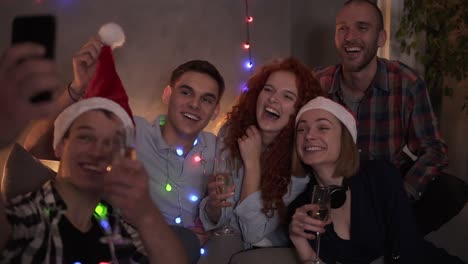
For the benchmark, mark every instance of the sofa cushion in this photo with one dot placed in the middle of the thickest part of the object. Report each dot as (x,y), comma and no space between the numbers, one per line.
(266,255)
(23,173)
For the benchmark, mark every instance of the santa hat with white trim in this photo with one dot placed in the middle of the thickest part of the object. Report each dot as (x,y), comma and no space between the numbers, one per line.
(105,90)
(334,108)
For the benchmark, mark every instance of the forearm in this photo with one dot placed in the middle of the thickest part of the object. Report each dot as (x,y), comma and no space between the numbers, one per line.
(304,250)
(40,138)
(254,224)
(160,242)
(251,181)
(424,141)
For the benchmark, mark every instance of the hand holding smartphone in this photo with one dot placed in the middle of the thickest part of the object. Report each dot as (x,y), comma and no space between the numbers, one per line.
(37,29)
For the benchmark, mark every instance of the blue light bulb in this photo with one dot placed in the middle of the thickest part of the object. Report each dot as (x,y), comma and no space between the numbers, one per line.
(178,220)
(193,198)
(105,224)
(248,64)
(179,151)
(202,251)
(195,142)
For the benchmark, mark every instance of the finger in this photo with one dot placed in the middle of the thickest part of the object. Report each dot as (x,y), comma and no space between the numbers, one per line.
(35,66)
(20,52)
(313,228)
(251,131)
(226,204)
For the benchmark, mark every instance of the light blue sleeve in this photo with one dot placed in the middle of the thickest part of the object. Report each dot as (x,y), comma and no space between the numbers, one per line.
(253,223)
(226,212)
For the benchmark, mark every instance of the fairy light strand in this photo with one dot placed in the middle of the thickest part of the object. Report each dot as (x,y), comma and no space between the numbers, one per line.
(247,45)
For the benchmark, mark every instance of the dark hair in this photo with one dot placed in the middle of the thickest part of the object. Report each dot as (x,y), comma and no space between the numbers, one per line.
(276,161)
(380,19)
(199,66)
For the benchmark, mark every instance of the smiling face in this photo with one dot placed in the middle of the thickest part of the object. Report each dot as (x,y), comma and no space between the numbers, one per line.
(358,35)
(318,139)
(192,103)
(276,103)
(87,149)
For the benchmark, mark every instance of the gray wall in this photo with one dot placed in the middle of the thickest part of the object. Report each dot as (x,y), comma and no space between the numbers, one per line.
(163,34)
(313,30)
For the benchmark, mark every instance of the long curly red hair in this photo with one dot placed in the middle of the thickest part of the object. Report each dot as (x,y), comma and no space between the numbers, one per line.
(276,161)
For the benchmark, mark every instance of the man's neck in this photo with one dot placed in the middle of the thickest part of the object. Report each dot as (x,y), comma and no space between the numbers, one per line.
(172,138)
(80,205)
(356,83)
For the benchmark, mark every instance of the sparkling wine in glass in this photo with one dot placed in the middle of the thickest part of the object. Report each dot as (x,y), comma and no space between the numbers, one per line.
(123,147)
(321,198)
(223,174)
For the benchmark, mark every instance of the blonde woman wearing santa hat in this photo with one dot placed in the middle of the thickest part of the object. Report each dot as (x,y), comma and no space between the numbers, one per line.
(369,214)
(55,224)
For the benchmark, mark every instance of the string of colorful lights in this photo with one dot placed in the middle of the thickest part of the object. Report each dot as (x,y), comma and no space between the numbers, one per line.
(247,45)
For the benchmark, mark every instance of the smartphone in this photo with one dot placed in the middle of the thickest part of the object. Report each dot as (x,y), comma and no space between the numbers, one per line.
(38,29)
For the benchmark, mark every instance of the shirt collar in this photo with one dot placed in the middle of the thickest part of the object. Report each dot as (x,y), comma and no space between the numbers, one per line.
(161,143)
(380,80)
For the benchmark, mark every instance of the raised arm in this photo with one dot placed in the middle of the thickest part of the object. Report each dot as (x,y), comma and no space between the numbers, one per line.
(24,74)
(39,140)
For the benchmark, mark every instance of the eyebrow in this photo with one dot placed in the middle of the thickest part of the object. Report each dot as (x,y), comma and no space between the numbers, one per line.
(317,120)
(287,90)
(324,119)
(366,23)
(84,127)
(186,86)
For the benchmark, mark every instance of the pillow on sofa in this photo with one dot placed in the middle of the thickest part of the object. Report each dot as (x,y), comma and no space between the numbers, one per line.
(23,173)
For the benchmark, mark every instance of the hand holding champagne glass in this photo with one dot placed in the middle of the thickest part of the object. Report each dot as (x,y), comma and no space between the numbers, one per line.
(321,198)
(123,146)
(223,176)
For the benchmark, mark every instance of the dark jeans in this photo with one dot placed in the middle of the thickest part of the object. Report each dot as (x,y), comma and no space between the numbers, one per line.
(443,199)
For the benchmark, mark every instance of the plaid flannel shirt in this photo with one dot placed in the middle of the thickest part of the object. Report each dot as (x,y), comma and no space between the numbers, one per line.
(35,238)
(395,111)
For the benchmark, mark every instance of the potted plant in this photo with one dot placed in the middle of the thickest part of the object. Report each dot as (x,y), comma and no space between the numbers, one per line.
(436,31)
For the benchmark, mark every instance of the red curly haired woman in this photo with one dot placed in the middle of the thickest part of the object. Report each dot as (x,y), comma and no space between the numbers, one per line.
(258,138)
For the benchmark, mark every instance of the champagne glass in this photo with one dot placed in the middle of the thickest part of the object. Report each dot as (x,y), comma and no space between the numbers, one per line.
(223,174)
(321,198)
(123,146)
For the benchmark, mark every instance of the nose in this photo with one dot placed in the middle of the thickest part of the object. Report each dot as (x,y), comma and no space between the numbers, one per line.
(102,150)
(309,135)
(350,34)
(273,98)
(195,103)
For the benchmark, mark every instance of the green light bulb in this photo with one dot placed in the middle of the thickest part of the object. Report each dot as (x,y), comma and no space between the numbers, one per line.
(168,187)
(162,120)
(100,210)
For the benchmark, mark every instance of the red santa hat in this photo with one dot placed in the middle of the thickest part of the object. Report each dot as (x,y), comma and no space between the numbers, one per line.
(106,82)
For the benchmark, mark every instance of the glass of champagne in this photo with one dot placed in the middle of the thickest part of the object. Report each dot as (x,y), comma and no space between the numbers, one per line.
(223,174)
(321,198)
(123,146)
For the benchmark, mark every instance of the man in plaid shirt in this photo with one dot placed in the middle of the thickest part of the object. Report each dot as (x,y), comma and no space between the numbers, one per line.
(389,100)
(55,224)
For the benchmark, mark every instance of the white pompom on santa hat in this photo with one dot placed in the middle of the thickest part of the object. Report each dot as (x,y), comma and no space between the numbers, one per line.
(105,84)
(112,34)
